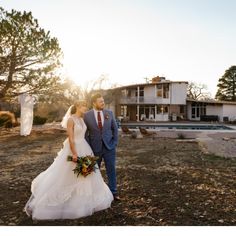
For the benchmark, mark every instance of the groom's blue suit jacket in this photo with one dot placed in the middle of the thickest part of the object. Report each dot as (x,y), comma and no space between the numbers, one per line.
(109,134)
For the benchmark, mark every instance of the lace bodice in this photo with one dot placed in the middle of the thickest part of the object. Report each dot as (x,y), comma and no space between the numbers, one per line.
(79,128)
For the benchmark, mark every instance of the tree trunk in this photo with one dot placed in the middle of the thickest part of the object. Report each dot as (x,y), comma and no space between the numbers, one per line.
(10,75)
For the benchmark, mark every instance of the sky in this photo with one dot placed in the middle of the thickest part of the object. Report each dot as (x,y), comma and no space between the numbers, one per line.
(128,40)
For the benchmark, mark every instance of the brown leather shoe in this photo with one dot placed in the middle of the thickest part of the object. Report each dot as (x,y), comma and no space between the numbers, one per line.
(116,197)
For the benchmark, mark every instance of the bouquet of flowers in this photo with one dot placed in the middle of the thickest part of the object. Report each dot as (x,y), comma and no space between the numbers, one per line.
(85,165)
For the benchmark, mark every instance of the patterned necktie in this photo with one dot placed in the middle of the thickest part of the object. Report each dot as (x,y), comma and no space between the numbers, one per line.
(99,121)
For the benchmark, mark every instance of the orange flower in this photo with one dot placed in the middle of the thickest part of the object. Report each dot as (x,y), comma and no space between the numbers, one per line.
(84,170)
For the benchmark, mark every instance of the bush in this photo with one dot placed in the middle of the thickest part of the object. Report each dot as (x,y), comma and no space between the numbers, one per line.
(5,120)
(134,135)
(39,120)
(53,116)
(8,124)
(181,136)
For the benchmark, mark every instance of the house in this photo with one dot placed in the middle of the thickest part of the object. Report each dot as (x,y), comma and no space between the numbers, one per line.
(223,110)
(165,100)
(159,100)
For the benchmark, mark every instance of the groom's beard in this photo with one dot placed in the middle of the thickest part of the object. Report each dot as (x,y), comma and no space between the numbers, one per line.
(98,108)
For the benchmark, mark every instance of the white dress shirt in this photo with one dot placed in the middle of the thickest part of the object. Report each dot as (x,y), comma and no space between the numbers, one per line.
(96,115)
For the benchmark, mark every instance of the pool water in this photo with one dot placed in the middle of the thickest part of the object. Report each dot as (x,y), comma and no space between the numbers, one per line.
(188,127)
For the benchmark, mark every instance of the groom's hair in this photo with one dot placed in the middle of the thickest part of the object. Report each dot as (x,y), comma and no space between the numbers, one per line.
(95,97)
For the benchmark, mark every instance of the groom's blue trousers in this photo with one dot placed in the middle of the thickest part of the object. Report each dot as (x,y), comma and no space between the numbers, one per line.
(109,157)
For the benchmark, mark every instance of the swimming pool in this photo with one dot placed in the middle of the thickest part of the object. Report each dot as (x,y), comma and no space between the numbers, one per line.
(178,126)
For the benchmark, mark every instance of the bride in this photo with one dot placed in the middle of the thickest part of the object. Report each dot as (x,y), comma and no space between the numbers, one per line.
(57,193)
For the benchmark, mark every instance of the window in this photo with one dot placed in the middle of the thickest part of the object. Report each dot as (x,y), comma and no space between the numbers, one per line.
(198,109)
(165,90)
(129,93)
(123,111)
(165,109)
(162,109)
(141,92)
(193,112)
(124,92)
(159,90)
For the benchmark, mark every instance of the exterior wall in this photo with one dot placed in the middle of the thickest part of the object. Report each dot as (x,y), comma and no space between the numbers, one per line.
(150,94)
(178,93)
(189,111)
(162,117)
(117,110)
(220,110)
(162,100)
(229,111)
(149,91)
(132,111)
(174,109)
(216,110)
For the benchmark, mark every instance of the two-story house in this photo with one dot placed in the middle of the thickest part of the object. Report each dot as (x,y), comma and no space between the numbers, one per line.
(159,100)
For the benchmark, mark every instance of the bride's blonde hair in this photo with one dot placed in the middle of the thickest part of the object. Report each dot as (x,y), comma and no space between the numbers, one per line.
(77,104)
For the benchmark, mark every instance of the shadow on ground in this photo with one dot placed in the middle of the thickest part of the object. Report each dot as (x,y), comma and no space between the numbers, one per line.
(161,182)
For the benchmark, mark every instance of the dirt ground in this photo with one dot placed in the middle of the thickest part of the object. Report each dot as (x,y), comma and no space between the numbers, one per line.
(162,182)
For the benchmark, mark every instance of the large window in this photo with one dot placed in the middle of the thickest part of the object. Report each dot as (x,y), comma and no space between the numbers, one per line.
(126,93)
(159,90)
(162,90)
(162,109)
(146,112)
(141,92)
(198,109)
(165,90)
(123,111)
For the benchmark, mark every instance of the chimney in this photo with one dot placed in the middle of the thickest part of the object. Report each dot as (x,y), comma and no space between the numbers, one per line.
(157,79)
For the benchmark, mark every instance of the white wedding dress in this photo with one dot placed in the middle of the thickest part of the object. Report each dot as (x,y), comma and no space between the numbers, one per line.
(57,193)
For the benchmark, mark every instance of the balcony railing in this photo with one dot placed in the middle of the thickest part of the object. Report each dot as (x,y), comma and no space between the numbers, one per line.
(144,100)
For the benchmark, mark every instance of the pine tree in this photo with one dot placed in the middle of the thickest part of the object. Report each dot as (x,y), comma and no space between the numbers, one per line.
(28,55)
(227,85)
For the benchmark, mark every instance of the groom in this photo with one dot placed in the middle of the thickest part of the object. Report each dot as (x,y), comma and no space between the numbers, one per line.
(102,135)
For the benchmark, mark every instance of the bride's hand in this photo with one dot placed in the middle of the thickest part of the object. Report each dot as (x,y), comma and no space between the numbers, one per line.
(74,158)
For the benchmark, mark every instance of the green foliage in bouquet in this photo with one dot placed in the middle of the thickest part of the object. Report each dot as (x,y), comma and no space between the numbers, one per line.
(85,165)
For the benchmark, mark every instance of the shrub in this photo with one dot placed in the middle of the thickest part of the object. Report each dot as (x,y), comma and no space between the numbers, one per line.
(133,135)
(5,119)
(39,120)
(53,116)
(181,136)
(8,124)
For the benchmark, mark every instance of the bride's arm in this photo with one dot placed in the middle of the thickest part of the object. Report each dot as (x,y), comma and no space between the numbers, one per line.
(70,132)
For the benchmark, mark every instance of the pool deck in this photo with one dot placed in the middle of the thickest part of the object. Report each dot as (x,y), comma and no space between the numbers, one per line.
(217,142)
(162,125)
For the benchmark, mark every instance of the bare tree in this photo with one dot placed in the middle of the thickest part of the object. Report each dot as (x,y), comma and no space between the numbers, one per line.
(198,91)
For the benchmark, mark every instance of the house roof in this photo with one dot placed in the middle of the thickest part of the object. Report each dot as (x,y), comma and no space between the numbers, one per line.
(148,84)
(212,101)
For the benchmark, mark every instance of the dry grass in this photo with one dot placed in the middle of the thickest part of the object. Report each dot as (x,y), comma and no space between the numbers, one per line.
(162,182)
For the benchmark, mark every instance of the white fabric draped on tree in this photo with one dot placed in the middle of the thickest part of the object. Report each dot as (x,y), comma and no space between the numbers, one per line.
(26,118)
